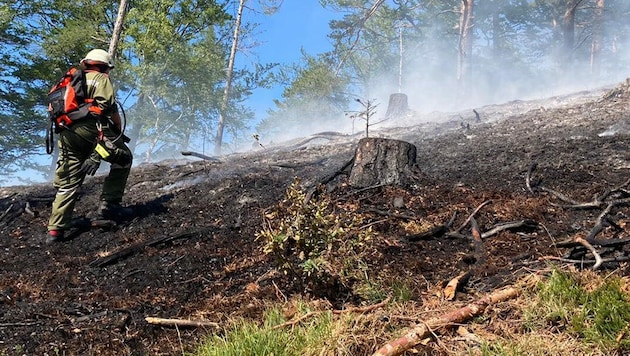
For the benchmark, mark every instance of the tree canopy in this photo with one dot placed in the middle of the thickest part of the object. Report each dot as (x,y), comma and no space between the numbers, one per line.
(173,54)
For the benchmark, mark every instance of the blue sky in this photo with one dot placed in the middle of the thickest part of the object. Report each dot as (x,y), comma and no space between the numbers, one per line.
(297,25)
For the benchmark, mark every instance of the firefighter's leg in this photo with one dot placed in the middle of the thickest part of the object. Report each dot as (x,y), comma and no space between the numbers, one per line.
(116,181)
(73,150)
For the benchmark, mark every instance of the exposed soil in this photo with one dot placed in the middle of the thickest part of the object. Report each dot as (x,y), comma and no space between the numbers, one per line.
(69,298)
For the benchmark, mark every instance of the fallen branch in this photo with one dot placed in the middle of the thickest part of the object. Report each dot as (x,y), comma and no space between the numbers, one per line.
(28,210)
(393,215)
(130,250)
(298,165)
(573,261)
(199,155)
(594,242)
(509,225)
(598,258)
(423,330)
(472,215)
(342,170)
(455,284)
(599,224)
(180,322)
(480,252)
(311,192)
(597,201)
(6,212)
(11,325)
(436,231)
(297,320)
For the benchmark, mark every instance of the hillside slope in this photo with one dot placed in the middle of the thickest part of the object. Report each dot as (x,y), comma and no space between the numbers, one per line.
(191,251)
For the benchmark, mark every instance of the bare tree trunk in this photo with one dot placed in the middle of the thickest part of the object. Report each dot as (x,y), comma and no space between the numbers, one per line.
(568,30)
(464,58)
(228,80)
(122,11)
(596,45)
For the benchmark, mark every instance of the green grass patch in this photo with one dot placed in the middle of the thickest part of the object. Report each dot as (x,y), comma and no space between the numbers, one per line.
(250,338)
(593,310)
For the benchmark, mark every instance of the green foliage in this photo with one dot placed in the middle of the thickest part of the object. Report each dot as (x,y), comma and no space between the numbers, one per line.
(169,70)
(597,314)
(249,338)
(323,247)
(306,230)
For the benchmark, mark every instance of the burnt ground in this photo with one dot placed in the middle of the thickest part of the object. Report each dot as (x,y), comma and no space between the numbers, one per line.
(191,250)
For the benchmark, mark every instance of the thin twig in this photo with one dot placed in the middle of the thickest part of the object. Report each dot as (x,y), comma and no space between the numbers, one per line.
(598,258)
(473,214)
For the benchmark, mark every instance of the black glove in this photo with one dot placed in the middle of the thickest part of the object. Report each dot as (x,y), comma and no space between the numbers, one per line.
(108,151)
(90,166)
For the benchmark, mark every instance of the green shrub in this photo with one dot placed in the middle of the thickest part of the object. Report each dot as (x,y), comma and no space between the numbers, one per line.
(310,239)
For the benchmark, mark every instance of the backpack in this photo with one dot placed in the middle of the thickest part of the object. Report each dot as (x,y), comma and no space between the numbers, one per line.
(67,103)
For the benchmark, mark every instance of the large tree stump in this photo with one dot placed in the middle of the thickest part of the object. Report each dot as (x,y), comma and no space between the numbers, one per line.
(397,106)
(380,161)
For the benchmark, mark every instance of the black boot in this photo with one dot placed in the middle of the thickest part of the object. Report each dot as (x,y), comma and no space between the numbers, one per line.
(54,236)
(113,211)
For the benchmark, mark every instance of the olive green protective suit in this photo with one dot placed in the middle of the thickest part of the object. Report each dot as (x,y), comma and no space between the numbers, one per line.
(76,144)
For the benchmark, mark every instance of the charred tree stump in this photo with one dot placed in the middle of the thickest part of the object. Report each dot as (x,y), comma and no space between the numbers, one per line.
(397,106)
(379,161)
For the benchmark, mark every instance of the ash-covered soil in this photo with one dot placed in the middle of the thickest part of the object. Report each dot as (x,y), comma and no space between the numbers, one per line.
(191,252)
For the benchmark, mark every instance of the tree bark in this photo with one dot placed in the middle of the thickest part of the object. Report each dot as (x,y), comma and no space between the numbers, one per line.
(113,43)
(596,45)
(464,58)
(568,30)
(228,80)
(380,161)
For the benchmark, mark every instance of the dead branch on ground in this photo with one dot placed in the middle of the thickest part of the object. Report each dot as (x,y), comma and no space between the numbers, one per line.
(135,248)
(455,284)
(473,214)
(298,165)
(587,262)
(609,199)
(436,231)
(180,322)
(448,320)
(598,259)
(597,201)
(313,189)
(200,155)
(392,215)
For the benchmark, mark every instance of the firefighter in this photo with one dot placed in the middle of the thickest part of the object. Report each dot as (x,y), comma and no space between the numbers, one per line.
(79,150)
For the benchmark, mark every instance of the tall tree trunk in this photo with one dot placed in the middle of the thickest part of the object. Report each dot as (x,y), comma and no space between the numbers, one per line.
(568,31)
(228,80)
(113,43)
(598,34)
(464,60)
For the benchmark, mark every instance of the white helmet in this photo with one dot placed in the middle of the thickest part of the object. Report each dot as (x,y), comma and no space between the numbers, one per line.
(99,55)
